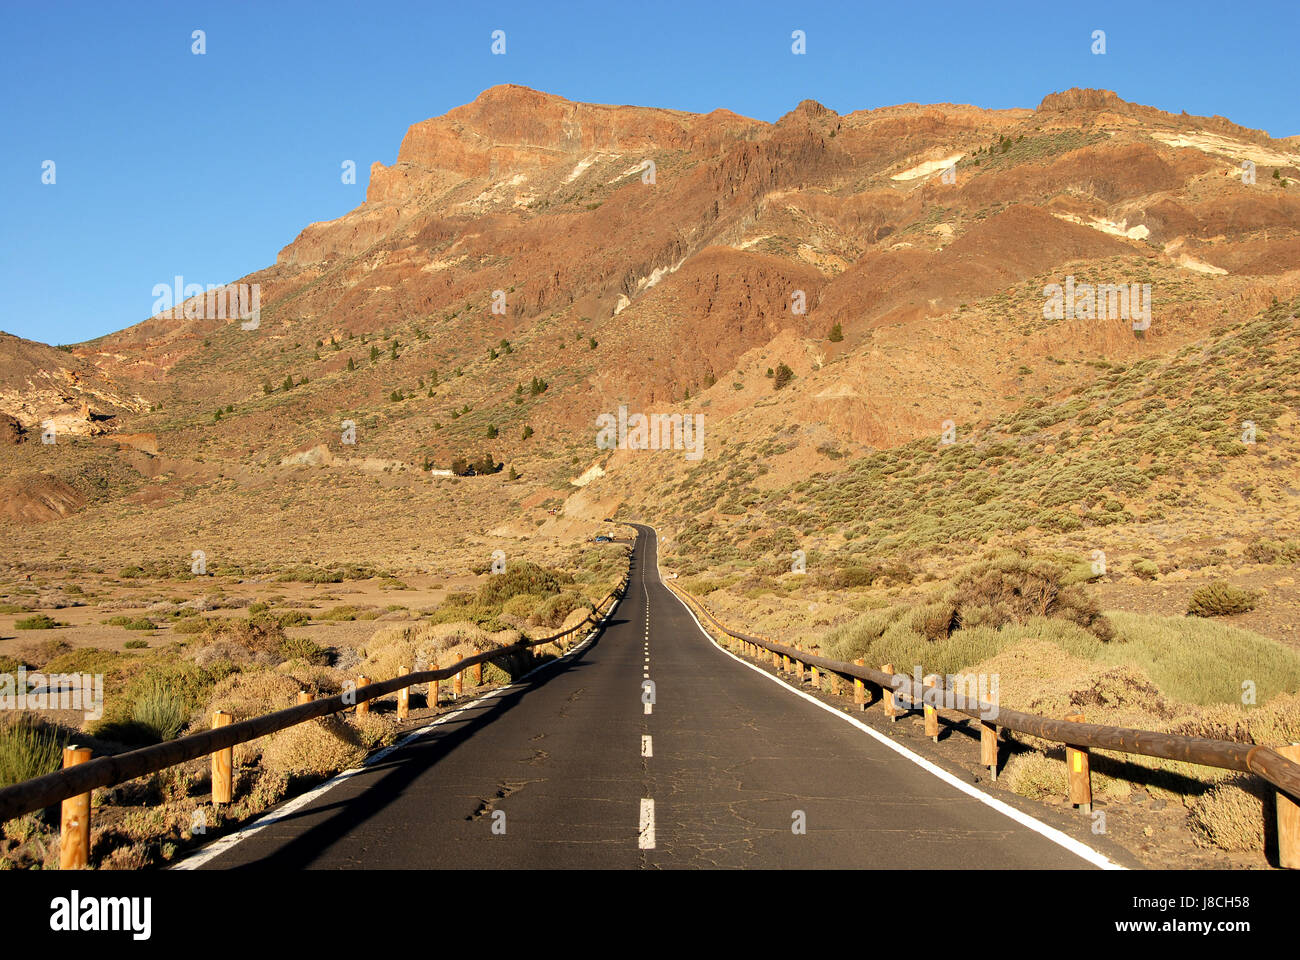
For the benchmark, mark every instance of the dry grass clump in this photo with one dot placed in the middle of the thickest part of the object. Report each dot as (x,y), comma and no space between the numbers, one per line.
(1200,661)
(29,747)
(1042,776)
(424,644)
(1230,815)
(316,748)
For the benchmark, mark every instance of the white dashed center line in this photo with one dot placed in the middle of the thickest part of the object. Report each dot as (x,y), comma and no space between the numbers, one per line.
(647,839)
(647,749)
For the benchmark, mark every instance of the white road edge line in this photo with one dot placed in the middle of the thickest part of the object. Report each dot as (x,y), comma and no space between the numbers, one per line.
(647,839)
(1077,847)
(223,844)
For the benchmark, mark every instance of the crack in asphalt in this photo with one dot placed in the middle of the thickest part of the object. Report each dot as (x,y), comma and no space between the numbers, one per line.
(506,789)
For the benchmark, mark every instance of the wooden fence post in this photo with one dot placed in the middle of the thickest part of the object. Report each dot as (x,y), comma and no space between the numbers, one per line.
(403,697)
(458,685)
(223,763)
(74,819)
(1077,767)
(433,692)
(891,704)
(305,696)
(930,713)
(363,706)
(860,688)
(1288,819)
(989,745)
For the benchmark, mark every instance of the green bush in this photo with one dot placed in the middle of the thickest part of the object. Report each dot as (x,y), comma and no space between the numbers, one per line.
(304,648)
(160,710)
(38,621)
(1219,599)
(29,748)
(1146,569)
(131,623)
(782,376)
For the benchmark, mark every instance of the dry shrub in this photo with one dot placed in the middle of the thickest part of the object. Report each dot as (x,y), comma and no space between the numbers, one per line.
(426,644)
(1042,776)
(247,695)
(1011,588)
(1036,776)
(1219,599)
(556,610)
(316,748)
(1277,722)
(1230,815)
(128,856)
(257,640)
(373,730)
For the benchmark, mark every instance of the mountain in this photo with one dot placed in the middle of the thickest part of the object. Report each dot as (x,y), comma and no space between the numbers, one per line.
(898,261)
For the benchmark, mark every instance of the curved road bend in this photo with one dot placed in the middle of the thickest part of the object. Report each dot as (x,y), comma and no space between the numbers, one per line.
(711,777)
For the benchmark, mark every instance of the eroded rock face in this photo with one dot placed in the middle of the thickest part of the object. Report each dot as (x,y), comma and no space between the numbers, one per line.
(11,430)
(38,498)
(690,245)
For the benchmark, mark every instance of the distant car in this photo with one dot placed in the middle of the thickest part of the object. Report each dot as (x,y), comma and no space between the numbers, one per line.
(604,539)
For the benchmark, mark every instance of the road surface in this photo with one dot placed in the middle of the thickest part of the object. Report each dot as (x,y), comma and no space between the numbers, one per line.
(570,769)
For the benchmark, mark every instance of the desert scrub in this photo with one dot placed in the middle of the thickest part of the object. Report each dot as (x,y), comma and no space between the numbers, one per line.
(420,645)
(1219,599)
(131,623)
(322,747)
(555,610)
(156,703)
(1230,815)
(1145,569)
(39,621)
(158,710)
(29,747)
(304,649)
(1043,775)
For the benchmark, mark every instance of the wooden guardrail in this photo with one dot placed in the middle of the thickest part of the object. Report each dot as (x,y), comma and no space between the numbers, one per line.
(72,785)
(1270,763)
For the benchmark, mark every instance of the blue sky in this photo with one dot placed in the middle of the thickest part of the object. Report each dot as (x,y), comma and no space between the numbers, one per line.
(168,163)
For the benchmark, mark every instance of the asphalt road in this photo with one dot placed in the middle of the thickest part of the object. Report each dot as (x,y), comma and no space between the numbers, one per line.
(569,769)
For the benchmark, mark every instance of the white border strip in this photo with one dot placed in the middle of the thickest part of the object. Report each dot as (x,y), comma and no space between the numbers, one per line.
(1077,847)
(223,844)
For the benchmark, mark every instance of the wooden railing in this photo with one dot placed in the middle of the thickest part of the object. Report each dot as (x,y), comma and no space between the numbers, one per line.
(72,785)
(1274,764)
